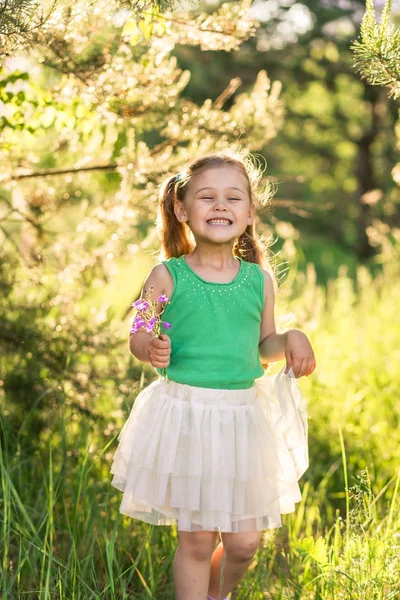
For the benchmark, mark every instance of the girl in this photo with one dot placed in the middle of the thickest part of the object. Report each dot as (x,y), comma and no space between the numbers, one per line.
(215,447)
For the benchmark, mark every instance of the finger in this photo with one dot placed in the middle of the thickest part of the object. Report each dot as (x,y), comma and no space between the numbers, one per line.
(160,365)
(297,367)
(304,367)
(162,353)
(157,343)
(165,338)
(312,366)
(289,363)
(305,364)
(159,352)
(160,357)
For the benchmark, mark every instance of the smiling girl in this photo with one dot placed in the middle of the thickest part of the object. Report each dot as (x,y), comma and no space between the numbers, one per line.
(219,446)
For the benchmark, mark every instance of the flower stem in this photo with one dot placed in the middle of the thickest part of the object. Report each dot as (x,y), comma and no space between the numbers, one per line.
(164,371)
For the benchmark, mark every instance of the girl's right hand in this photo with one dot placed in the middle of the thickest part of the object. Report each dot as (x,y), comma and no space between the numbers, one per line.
(160,351)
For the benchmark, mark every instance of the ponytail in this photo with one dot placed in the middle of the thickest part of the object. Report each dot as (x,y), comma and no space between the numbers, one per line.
(174,236)
(250,248)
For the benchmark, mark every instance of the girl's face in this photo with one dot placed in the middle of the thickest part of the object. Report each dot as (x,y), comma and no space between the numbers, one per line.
(216,205)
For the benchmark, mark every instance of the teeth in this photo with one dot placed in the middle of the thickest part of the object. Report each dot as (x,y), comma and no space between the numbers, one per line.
(219,222)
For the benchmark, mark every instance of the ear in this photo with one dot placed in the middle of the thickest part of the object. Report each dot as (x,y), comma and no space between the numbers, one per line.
(180,212)
(250,219)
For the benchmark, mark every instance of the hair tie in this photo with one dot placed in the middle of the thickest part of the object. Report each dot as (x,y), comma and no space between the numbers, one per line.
(178,177)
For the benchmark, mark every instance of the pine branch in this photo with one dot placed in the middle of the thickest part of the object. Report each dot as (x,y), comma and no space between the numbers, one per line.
(140,6)
(19,20)
(377,55)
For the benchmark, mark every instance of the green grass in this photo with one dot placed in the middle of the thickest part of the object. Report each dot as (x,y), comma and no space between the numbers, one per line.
(62,536)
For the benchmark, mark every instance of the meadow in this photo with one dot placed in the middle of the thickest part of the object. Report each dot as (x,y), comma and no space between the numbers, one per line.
(61,532)
(103,106)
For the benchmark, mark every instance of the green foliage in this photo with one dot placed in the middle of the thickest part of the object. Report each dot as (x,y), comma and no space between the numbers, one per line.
(87,134)
(144,6)
(23,22)
(19,22)
(27,108)
(144,26)
(337,142)
(98,116)
(61,531)
(377,55)
(313,550)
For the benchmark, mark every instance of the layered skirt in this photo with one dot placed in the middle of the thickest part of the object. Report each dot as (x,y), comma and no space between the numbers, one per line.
(211,459)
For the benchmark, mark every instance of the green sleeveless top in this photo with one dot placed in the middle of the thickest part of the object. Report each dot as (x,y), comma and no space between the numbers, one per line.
(215,327)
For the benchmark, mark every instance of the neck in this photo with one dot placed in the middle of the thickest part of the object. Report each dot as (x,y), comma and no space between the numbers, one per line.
(219,257)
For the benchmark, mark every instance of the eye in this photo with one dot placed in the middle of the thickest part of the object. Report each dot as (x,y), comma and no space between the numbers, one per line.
(233,198)
(206,198)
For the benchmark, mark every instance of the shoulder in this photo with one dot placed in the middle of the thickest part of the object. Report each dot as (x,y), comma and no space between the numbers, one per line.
(269,287)
(161,280)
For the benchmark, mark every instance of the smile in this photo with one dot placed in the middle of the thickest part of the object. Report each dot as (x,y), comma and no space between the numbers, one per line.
(219,222)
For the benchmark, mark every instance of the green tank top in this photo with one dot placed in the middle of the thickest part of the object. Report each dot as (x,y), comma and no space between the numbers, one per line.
(215,327)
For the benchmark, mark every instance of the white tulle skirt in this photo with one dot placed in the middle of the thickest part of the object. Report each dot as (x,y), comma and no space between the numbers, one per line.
(213,460)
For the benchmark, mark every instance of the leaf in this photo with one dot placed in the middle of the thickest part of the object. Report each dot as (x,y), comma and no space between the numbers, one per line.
(146,27)
(130,27)
(134,39)
(314,550)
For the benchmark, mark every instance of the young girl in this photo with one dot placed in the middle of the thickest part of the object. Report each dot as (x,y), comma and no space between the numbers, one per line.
(216,446)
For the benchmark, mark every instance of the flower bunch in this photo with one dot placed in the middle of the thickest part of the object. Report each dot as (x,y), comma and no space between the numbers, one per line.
(147,317)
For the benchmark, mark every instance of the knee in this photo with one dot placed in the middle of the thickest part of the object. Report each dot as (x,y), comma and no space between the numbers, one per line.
(198,545)
(243,548)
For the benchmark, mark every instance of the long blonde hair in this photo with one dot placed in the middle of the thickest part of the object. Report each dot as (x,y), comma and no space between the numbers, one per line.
(176,237)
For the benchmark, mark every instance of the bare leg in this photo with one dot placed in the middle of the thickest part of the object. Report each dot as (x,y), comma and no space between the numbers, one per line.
(191,566)
(240,549)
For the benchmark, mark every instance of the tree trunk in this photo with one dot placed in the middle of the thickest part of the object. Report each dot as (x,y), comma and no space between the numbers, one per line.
(366,177)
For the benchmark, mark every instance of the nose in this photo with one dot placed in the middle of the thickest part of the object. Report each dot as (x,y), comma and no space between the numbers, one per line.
(220,205)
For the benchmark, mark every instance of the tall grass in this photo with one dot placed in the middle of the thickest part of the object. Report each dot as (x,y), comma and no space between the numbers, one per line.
(62,535)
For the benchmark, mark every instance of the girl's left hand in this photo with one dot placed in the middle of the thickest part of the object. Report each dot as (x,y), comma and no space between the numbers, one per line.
(299,353)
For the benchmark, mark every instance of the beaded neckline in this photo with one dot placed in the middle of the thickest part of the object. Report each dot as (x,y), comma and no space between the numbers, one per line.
(234,280)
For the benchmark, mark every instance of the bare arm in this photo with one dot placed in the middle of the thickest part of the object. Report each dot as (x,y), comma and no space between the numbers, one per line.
(143,345)
(139,345)
(293,345)
(272,348)
(272,344)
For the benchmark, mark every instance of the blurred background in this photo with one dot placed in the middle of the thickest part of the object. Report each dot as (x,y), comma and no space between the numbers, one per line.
(99,102)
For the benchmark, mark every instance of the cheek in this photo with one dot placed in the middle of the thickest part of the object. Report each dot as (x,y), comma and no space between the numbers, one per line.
(197,212)
(245,211)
